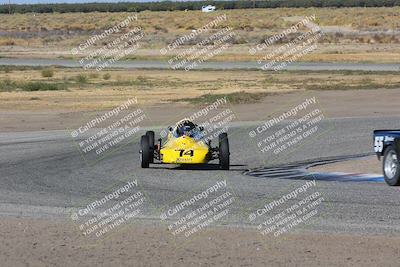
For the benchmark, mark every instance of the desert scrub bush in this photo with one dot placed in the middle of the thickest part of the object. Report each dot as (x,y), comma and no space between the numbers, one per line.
(41,86)
(81,78)
(7,42)
(47,72)
(7,69)
(7,85)
(106,76)
(161,29)
(233,98)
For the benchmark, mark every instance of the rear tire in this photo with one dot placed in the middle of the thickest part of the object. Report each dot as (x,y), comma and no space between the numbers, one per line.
(145,151)
(391,167)
(224,153)
(150,134)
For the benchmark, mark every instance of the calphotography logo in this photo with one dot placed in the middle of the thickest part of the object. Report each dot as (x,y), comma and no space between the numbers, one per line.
(211,121)
(279,58)
(190,215)
(192,35)
(282,215)
(108,213)
(209,43)
(286,131)
(116,42)
(109,131)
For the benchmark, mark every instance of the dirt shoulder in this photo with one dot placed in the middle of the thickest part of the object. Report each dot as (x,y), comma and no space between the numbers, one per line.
(335,104)
(44,243)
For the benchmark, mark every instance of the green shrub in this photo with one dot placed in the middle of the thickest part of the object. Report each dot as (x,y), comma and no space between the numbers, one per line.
(41,86)
(106,76)
(7,85)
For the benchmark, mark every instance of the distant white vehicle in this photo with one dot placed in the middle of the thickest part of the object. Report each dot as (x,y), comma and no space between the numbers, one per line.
(208,8)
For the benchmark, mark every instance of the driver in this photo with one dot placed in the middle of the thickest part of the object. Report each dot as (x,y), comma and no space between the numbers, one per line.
(187,128)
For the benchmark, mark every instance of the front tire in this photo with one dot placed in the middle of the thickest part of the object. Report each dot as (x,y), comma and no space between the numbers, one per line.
(224,153)
(391,167)
(145,151)
(150,134)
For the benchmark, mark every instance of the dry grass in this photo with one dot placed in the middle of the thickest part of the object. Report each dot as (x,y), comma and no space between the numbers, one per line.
(181,21)
(163,86)
(55,34)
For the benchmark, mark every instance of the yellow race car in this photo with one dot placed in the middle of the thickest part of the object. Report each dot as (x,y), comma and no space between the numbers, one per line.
(185,144)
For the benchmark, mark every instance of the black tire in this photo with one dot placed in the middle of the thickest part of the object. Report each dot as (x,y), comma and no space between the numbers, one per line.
(150,134)
(144,151)
(224,153)
(391,166)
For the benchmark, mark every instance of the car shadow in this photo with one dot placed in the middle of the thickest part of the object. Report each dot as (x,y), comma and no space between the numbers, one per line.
(198,167)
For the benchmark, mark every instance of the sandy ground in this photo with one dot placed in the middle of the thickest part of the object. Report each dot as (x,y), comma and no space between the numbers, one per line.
(364,165)
(28,242)
(334,104)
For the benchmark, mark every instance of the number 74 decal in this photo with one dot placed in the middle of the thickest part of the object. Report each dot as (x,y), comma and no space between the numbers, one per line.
(183,152)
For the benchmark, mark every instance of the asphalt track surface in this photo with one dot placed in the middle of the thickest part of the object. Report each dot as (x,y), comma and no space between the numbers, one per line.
(43,175)
(149,64)
(300,170)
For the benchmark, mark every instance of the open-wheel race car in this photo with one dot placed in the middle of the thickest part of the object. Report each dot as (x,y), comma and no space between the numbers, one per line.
(184,145)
